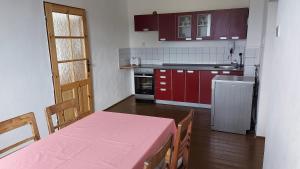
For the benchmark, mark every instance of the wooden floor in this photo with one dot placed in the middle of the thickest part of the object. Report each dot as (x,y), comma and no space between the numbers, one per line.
(210,149)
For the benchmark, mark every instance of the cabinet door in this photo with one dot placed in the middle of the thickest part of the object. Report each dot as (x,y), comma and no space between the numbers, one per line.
(233,73)
(238,23)
(220,24)
(163,89)
(202,26)
(192,87)
(146,22)
(167,27)
(184,25)
(178,85)
(205,86)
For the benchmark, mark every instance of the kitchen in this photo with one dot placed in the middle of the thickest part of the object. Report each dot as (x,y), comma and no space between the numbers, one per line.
(183,76)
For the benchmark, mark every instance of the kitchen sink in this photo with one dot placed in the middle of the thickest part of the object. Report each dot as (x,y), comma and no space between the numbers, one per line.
(225,67)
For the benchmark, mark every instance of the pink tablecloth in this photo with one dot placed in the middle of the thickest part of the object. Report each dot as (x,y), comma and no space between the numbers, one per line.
(102,140)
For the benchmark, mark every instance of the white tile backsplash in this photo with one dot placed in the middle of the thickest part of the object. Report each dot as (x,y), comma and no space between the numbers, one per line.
(188,55)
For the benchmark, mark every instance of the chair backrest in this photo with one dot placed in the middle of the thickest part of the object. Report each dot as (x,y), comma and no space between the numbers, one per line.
(20,121)
(162,158)
(183,141)
(59,110)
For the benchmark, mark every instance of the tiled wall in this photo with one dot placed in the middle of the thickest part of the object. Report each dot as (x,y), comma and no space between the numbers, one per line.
(188,55)
(192,55)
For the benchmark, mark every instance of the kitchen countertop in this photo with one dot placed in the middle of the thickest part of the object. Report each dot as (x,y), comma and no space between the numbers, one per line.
(211,67)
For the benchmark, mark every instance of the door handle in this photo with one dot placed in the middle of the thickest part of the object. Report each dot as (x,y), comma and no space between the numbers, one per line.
(162,39)
(190,71)
(163,90)
(179,71)
(226,72)
(163,83)
(214,72)
(235,38)
(223,38)
(162,71)
(163,77)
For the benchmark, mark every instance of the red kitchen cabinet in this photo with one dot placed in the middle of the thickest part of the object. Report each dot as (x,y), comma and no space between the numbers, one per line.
(220,24)
(184,26)
(238,23)
(146,22)
(205,85)
(202,27)
(167,27)
(178,85)
(163,90)
(234,73)
(230,24)
(192,91)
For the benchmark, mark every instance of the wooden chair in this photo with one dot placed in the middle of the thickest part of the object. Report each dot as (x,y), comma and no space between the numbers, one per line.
(20,121)
(182,142)
(162,158)
(59,111)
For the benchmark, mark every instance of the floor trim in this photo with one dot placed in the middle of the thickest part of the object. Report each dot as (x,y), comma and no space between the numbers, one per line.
(206,106)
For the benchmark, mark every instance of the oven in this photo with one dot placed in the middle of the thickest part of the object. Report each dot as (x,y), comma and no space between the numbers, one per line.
(144,84)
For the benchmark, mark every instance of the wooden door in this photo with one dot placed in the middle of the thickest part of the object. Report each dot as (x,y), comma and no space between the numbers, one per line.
(178,85)
(167,27)
(70,56)
(205,86)
(192,86)
(238,23)
(146,23)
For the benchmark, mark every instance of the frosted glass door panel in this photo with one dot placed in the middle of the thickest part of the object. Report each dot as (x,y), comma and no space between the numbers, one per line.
(76,25)
(185,26)
(63,49)
(78,49)
(60,24)
(203,25)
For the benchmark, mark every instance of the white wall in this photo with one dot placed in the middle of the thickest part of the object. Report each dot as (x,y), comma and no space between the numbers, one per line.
(150,39)
(25,72)
(283,127)
(266,72)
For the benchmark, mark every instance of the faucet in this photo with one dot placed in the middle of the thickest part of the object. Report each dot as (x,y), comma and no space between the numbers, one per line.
(241,60)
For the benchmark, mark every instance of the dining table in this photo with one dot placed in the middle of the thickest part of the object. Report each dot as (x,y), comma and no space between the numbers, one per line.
(102,140)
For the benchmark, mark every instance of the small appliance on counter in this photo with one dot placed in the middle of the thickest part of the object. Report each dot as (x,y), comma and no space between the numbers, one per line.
(232,98)
(144,83)
(135,61)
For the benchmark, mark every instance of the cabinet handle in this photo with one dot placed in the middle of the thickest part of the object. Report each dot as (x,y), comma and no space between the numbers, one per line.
(190,71)
(162,39)
(214,72)
(179,71)
(188,39)
(235,38)
(163,90)
(163,83)
(199,38)
(226,72)
(163,77)
(223,38)
(146,29)
(162,71)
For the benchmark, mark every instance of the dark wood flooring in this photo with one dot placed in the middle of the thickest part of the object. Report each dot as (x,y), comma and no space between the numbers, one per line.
(210,149)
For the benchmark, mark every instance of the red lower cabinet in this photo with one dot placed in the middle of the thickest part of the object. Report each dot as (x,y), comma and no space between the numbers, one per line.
(192,89)
(233,73)
(178,85)
(163,89)
(205,85)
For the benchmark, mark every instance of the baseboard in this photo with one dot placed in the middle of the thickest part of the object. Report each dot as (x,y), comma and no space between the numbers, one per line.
(196,105)
(118,102)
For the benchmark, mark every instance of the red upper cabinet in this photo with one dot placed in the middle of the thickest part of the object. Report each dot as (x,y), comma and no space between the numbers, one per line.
(166,27)
(202,25)
(230,24)
(192,89)
(238,23)
(146,22)
(220,24)
(184,26)
(178,85)
(205,86)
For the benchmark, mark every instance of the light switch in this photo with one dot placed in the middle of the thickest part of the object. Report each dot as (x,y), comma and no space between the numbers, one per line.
(278,31)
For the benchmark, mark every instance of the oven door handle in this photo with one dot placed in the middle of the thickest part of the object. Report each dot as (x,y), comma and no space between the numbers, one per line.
(143,76)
